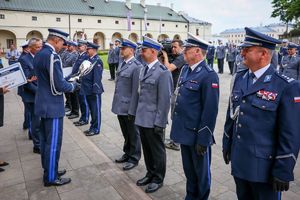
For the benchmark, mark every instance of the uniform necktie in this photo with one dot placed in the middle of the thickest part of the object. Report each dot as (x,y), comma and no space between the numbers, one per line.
(189,71)
(251,77)
(146,70)
(123,64)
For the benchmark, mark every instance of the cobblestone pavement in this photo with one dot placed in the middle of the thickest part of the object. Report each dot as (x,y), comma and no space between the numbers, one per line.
(89,161)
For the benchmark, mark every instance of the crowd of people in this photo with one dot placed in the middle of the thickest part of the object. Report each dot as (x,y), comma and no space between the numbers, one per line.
(261,135)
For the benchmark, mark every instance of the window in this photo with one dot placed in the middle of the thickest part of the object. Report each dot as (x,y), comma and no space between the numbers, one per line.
(116,22)
(2,16)
(163,25)
(79,20)
(34,18)
(176,26)
(197,31)
(9,42)
(185,26)
(148,24)
(133,23)
(58,19)
(99,21)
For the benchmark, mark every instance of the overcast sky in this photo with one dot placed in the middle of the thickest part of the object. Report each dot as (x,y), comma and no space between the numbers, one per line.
(224,14)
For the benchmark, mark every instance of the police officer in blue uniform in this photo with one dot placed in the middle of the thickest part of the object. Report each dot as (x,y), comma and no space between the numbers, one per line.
(125,103)
(49,105)
(194,117)
(291,63)
(261,136)
(231,56)
(29,91)
(115,57)
(155,89)
(84,108)
(210,56)
(20,91)
(283,50)
(111,61)
(92,88)
(220,55)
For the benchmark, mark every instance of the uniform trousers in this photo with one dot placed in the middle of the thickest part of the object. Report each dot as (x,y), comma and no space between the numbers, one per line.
(197,171)
(26,116)
(154,153)
(231,65)
(112,69)
(84,108)
(221,65)
(94,102)
(210,62)
(132,140)
(247,190)
(51,131)
(34,126)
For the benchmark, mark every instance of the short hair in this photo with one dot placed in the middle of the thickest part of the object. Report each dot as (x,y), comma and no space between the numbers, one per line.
(203,52)
(180,42)
(33,41)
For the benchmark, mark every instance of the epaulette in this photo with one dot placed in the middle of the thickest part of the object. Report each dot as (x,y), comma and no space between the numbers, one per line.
(242,70)
(284,77)
(208,68)
(137,62)
(163,67)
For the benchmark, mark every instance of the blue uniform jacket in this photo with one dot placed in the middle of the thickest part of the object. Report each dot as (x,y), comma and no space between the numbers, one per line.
(29,89)
(264,137)
(20,88)
(196,106)
(91,83)
(210,52)
(48,105)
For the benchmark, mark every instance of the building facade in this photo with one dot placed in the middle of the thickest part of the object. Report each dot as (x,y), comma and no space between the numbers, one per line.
(101,21)
(237,35)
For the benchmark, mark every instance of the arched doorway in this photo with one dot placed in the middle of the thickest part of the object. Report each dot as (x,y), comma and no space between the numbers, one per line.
(79,35)
(162,37)
(133,37)
(115,36)
(149,35)
(7,38)
(99,38)
(176,37)
(34,34)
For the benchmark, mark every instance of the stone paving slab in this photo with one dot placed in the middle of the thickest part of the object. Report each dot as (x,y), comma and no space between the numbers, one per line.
(94,175)
(89,161)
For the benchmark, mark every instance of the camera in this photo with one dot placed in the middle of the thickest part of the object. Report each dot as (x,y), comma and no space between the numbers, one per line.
(167,47)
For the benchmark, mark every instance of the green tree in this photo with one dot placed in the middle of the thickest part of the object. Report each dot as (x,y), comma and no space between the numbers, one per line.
(281,9)
(286,10)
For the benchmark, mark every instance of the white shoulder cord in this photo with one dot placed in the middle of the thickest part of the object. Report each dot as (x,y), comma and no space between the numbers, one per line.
(233,113)
(52,84)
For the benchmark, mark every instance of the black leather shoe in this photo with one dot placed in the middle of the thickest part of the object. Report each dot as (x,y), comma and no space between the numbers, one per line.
(129,166)
(123,159)
(144,181)
(29,136)
(2,170)
(73,116)
(86,131)
(58,182)
(2,164)
(152,187)
(36,150)
(91,133)
(61,172)
(80,123)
